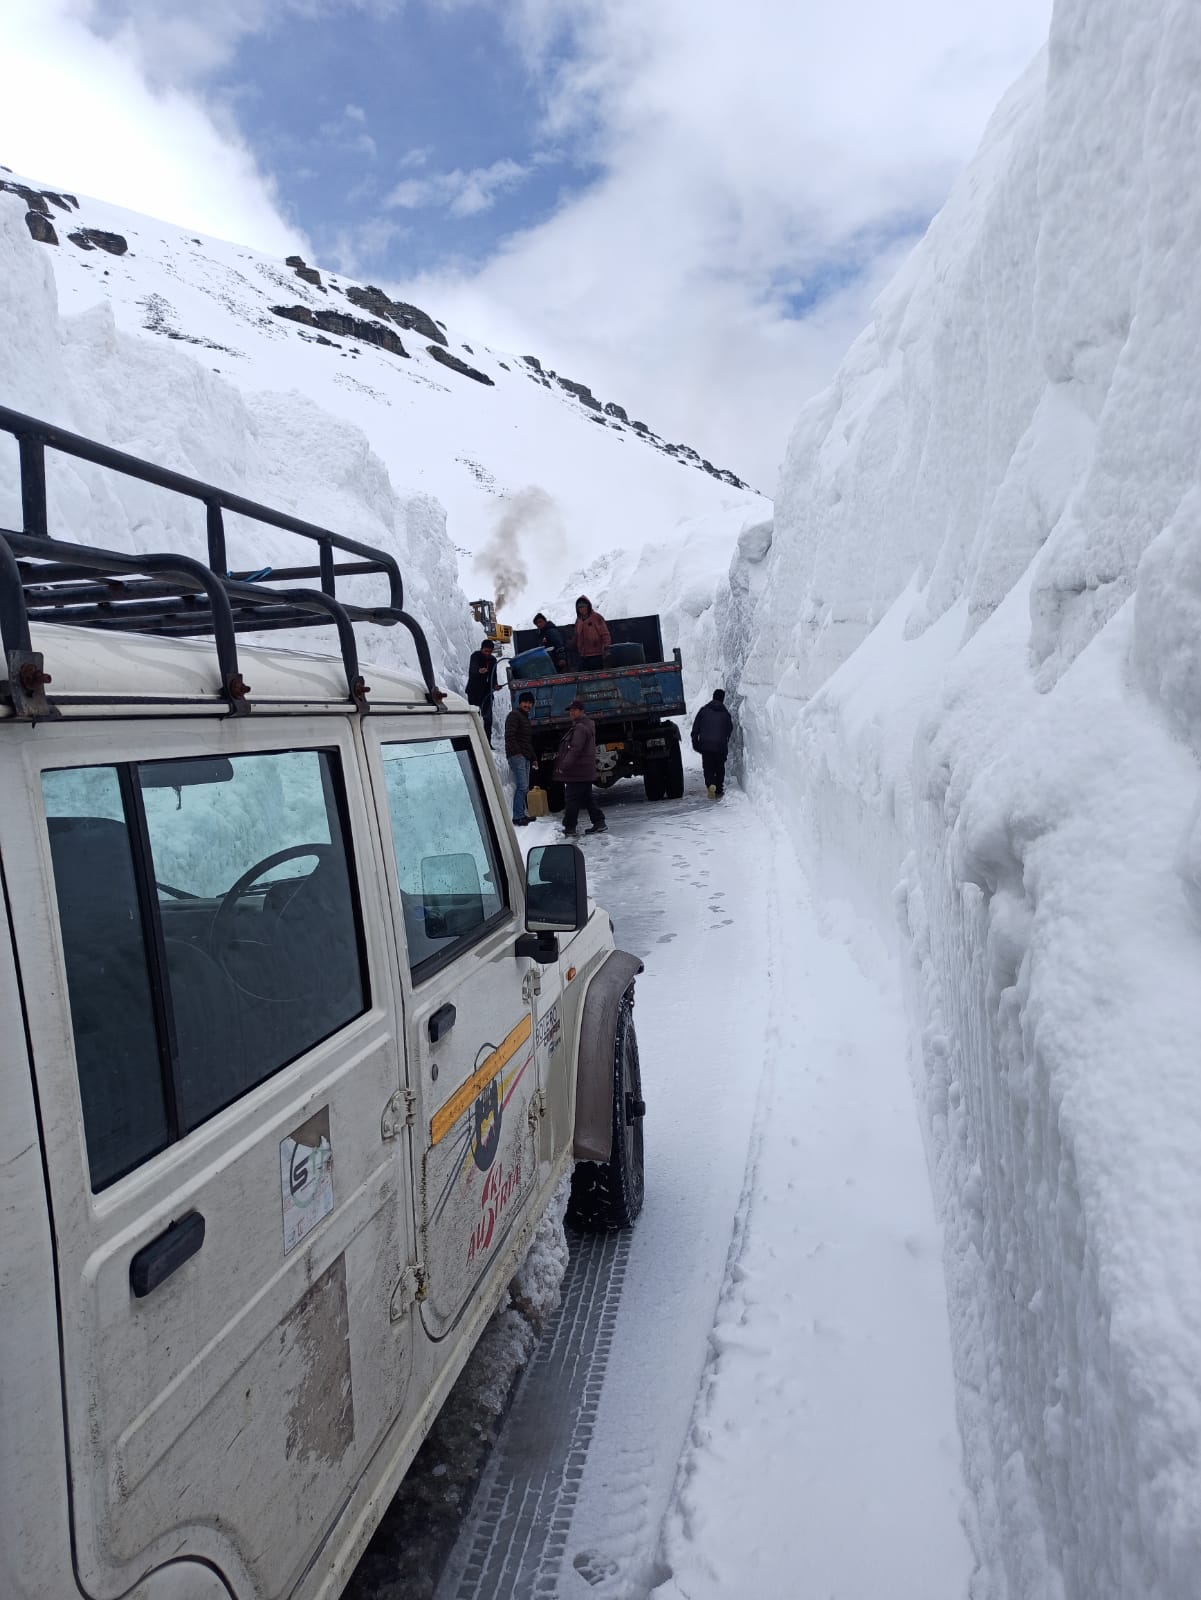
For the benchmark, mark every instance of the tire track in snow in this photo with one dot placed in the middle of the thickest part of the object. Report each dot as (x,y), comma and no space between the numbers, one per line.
(522,1512)
(577,1514)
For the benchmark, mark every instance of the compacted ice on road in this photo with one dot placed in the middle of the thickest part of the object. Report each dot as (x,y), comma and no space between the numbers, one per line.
(752,1392)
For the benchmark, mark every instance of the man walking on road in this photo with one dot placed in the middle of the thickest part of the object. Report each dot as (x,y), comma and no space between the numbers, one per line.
(575,768)
(481,683)
(519,747)
(712,728)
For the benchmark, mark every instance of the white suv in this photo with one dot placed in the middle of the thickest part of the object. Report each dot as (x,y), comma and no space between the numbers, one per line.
(295,1053)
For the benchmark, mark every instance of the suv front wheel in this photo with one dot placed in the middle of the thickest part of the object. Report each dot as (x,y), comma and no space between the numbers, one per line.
(609,1194)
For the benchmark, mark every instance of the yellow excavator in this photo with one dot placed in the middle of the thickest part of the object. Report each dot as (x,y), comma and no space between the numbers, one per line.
(501,634)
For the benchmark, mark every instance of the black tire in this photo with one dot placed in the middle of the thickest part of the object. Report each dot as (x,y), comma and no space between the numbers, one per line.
(654,780)
(674,766)
(607,1195)
(556,797)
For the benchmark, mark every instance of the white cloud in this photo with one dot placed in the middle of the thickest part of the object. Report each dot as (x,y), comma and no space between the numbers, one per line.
(349,132)
(76,110)
(740,148)
(463,194)
(743,153)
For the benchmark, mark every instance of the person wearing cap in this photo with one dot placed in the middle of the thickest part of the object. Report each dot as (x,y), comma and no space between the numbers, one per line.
(481,683)
(519,748)
(712,728)
(575,768)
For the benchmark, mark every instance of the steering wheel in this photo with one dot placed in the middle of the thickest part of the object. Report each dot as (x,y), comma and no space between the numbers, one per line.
(221,929)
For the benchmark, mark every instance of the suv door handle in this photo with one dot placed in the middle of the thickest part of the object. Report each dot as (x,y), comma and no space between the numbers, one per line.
(156,1261)
(442,1021)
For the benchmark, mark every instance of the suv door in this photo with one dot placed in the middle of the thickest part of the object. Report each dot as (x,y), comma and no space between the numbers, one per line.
(217,1049)
(469,1002)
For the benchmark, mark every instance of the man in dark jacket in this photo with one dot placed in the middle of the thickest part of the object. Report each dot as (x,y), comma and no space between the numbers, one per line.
(519,747)
(712,728)
(481,683)
(575,767)
(551,639)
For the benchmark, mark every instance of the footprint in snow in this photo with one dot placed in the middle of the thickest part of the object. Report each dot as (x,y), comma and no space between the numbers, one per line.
(594,1568)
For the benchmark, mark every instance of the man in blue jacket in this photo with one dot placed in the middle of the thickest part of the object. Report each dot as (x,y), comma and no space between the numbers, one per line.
(712,728)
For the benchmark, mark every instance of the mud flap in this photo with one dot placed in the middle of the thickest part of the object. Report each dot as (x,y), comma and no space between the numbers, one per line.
(594,1073)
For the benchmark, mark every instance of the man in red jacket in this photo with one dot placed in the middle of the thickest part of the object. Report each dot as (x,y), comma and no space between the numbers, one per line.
(575,767)
(591,636)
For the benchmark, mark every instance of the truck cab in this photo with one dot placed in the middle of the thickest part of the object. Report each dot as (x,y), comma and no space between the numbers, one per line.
(299,1048)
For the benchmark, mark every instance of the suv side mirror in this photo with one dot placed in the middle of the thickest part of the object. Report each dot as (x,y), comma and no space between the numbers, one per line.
(556,899)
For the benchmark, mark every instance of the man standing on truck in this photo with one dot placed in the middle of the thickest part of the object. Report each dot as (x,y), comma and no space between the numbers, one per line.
(575,768)
(712,728)
(481,683)
(591,636)
(552,640)
(519,747)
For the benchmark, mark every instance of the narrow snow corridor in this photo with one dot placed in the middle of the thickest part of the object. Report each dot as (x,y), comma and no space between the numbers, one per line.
(775,1412)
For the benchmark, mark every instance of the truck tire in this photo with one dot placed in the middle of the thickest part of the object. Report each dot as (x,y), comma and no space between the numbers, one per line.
(556,797)
(654,780)
(607,1195)
(674,768)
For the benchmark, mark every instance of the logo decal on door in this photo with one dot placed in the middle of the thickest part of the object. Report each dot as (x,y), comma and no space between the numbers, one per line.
(306,1177)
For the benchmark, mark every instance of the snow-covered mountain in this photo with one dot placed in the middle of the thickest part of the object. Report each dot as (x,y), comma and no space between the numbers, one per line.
(527,463)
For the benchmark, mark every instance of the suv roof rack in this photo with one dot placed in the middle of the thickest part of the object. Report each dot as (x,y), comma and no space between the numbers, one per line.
(45,579)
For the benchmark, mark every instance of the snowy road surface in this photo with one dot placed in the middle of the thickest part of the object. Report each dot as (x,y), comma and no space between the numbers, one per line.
(752,1394)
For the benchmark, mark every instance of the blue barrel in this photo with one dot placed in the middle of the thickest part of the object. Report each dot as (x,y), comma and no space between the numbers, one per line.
(532,664)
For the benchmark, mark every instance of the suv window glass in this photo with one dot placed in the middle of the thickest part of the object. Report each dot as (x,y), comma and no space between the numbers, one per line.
(108,981)
(248,914)
(451,882)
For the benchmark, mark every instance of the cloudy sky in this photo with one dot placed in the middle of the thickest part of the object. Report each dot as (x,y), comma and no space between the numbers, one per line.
(688,204)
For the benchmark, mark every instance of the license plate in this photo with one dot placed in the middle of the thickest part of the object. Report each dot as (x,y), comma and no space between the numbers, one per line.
(615,747)
(656,744)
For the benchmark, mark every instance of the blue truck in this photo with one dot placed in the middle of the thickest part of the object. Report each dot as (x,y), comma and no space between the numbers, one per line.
(631,700)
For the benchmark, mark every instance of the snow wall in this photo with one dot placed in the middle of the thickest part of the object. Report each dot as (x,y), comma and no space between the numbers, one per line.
(968,673)
(83,374)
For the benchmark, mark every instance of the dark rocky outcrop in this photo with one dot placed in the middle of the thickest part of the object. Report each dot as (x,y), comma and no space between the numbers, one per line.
(639,427)
(348,327)
(612,409)
(455,365)
(37,199)
(96,238)
(41,227)
(309,274)
(533,361)
(582,393)
(398,311)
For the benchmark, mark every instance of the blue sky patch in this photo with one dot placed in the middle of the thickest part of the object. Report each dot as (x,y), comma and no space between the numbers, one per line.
(406,143)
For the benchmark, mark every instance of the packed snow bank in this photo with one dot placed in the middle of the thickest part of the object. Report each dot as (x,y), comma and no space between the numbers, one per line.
(971,688)
(161,403)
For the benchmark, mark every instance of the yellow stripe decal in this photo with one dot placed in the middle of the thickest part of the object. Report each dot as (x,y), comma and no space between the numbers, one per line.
(446,1116)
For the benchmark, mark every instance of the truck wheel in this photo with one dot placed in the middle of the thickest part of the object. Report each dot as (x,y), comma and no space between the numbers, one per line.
(556,798)
(674,766)
(609,1194)
(654,781)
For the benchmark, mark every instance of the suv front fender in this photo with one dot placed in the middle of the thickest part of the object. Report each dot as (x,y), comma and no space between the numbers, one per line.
(594,1070)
